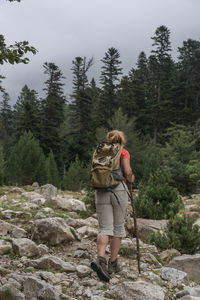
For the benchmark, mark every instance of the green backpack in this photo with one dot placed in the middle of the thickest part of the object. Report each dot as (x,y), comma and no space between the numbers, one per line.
(106,171)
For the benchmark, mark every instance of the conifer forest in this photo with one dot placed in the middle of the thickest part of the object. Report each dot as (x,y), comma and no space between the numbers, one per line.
(157,105)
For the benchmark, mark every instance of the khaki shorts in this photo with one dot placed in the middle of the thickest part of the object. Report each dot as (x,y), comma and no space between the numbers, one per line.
(111,215)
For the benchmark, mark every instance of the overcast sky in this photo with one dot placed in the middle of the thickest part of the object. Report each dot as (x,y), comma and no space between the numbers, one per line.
(64,29)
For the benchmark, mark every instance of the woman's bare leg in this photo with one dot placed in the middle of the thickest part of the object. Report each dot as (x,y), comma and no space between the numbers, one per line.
(114,247)
(102,242)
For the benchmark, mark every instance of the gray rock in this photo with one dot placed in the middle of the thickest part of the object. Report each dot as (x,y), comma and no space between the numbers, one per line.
(5,247)
(52,230)
(192,291)
(35,185)
(34,287)
(169,254)
(48,191)
(89,231)
(8,291)
(83,271)
(139,290)
(52,262)
(171,274)
(7,229)
(146,226)
(25,247)
(188,297)
(34,197)
(43,249)
(68,204)
(189,264)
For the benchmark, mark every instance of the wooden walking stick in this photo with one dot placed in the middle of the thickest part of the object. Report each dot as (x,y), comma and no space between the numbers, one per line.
(135,225)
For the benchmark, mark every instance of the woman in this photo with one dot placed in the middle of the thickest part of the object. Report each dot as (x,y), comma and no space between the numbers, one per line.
(111,215)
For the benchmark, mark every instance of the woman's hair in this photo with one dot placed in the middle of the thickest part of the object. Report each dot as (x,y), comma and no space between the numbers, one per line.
(116,136)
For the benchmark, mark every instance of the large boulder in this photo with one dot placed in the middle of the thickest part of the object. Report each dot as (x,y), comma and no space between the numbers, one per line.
(139,290)
(48,191)
(52,230)
(189,264)
(146,226)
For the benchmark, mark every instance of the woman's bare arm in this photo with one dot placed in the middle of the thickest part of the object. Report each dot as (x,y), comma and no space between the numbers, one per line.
(128,174)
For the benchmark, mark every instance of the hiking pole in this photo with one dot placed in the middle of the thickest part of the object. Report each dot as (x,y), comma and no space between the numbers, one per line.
(135,225)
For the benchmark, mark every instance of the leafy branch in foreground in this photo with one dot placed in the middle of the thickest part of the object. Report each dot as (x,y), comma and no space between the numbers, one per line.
(14,53)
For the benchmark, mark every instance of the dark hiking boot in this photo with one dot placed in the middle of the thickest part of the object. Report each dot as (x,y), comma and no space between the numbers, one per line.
(113,266)
(100,267)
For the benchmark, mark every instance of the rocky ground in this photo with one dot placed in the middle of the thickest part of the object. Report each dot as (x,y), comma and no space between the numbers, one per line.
(48,239)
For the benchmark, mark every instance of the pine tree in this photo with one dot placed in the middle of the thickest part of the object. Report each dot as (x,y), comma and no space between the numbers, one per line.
(53,112)
(188,66)
(27,113)
(6,114)
(52,171)
(6,124)
(2,167)
(160,73)
(109,79)
(82,129)
(26,163)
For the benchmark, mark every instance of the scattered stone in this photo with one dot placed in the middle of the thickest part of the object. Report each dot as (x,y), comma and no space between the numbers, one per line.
(5,247)
(171,274)
(52,230)
(43,249)
(189,264)
(150,258)
(48,191)
(87,231)
(8,291)
(169,254)
(34,197)
(2,199)
(35,185)
(48,262)
(83,271)
(140,290)
(7,229)
(11,214)
(68,204)
(34,287)
(25,247)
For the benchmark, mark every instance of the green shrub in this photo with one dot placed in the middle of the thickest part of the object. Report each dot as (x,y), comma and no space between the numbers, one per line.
(180,233)
(89,201)
(26,163)
(157,199)
(2,165)
(182,158)
(52,170)
(77,176)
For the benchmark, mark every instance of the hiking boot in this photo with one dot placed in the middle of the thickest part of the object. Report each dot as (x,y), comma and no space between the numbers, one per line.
(100,267)
(113,266)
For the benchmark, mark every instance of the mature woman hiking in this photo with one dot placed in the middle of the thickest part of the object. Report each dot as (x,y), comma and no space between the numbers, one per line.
(111,203)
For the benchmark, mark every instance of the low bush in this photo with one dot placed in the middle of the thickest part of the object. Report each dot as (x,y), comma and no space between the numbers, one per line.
(180,233)
(77,176)
(157,199)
